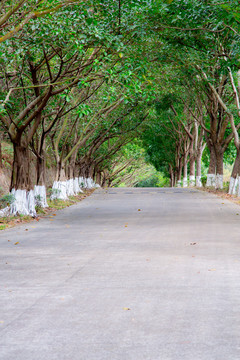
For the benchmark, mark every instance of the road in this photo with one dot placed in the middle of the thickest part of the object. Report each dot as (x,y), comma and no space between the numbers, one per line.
(127,274)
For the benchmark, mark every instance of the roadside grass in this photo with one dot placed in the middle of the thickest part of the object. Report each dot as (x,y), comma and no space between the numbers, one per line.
(54,206)
(61,204)
(11,221)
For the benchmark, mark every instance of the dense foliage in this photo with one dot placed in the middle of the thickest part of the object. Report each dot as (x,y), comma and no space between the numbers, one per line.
(81,80)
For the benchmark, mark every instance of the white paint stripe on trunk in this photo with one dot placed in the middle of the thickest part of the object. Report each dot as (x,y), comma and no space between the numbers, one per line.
(69,188)
(211,180)
(219,181)
(40,196)
(198,181)
(185,182)
(24,203)
(192,180)
(59,190)
(179,183)
(235,186)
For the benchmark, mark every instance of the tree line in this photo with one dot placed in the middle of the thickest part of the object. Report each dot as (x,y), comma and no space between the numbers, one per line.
(72,86)
(81,79)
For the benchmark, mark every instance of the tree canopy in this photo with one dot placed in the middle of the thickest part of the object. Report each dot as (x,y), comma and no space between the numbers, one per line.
(81,81)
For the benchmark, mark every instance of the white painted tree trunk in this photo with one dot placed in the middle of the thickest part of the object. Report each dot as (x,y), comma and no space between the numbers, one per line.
(233,185)
(238,188)
(70,189)
(5,212)
(179,183)
(90,183)
(219,181)
(40,196)
(59,190)
(236,184)
(76,187)
(198,181)
(211,180)
(192,180)
(24,203)
(185,182)
(87,183)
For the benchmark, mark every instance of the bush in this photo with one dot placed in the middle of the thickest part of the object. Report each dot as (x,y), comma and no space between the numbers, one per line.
(204,180)
(155,180)
(6,200)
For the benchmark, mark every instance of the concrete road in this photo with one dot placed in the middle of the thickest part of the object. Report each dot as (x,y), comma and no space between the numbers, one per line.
(105,281)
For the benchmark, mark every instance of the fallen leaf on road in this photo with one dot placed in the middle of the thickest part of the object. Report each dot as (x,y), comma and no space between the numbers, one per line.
(1,322)
(67,225)
(125,308)
(26,229)
(139,210)
(16,243)
(193,243)
(54,214)
(9,240)
(50,219)
(211,269)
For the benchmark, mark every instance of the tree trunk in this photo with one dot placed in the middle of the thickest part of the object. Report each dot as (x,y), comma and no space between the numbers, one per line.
(179,175)
(21,179)
(59,188)
(61,171)
(234,180)
(219,169)
(185,170)
(199,165)
(192,160)
(21,185)
(41,170)
(235,170)
(171,173)
(1,164)
(211,176)
(70,170)
(103,181)
(192,171)
(40,187)
(98,178)
(91,171)
(199,170)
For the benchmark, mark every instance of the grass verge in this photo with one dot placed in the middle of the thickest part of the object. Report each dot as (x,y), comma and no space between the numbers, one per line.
(55,205)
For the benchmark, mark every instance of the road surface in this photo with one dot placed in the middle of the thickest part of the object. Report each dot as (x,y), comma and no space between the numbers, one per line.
(127,274)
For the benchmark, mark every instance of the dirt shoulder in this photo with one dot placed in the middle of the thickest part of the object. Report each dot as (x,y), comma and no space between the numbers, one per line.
(222,194)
